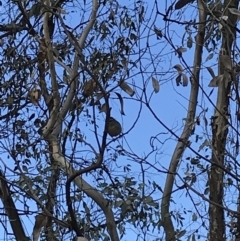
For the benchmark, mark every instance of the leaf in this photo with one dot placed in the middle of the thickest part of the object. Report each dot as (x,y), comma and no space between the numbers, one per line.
(220,26)
(103,108)
(180,234)
(61,11)
(31,116)
(181,50)
(121,102)
(179,68)
(211,72)
(25,169)
(35,10)
(34,95)
(89,88)
(209,57)
(158,32)
(195,161)
(181,3)
(178,79)
(234,11)
(206,191)
(194,217)
(225,18)
(189,42)
(184,80)
(155,85)
(214,82)
(125,87)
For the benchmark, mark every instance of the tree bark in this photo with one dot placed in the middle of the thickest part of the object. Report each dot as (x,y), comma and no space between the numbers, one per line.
(220,130)
(12,213)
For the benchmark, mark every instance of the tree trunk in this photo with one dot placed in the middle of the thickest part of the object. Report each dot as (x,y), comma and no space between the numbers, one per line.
(220,129)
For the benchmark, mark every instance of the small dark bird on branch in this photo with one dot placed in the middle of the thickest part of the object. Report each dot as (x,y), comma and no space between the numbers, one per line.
(114,127)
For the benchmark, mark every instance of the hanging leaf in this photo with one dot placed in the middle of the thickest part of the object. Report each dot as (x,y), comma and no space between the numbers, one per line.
(178,80)
(209,57)
(34,95)
(179,68)
(181,3)
(211,72)
(89,88)
(103,108)
(184,80)
(180,234)
(125,87)
(121,102)
(66,77)
(61,11)
(234,11)
(224,18)
(214,82)
(181,50)
(155,85)
(35,10)
(194,217)
(189,42)
(158,32)
(220,26)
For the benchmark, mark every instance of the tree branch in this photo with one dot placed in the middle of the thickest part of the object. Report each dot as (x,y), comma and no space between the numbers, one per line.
(191,112)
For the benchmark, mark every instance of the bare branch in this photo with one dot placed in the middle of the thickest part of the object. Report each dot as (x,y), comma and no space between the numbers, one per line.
(89,190)
(74,74)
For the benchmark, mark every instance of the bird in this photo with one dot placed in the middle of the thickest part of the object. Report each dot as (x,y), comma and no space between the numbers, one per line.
(114,128)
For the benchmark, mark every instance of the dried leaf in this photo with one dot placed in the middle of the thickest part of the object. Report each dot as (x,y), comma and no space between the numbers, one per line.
(61,11)
(226,61)
(178,79)
(66,77)
(156,85)
(184,80)
(181,3)
(225,17)
(209,57)
(89,88)
(214,82)
(32,75)
(194,217)
(179,68)
(24,168)
(103,108)
(189,42)
(180,234)
(220,26)
(158,32)
(80,239)
(121,102)
(181,50)
(34,95)
(125,87)
(234,11)
(211,72)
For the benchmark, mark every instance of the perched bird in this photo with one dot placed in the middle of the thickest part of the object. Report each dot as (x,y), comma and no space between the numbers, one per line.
(114,127)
